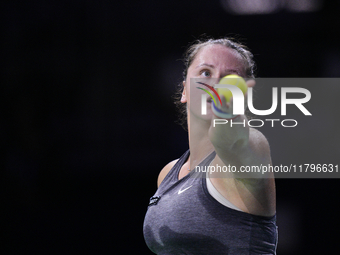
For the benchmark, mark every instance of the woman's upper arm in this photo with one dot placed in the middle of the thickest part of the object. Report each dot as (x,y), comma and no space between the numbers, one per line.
(254,153)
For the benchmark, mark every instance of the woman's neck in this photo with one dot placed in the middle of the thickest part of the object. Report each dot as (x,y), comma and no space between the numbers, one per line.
(199,141)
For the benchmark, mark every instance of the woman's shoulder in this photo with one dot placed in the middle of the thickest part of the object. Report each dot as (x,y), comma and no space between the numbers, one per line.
(256,133)
(166,169)
(259,142)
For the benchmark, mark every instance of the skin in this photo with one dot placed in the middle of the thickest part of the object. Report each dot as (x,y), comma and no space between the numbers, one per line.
(253,193)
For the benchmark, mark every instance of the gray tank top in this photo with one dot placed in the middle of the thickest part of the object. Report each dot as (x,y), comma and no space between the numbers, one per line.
(183,218)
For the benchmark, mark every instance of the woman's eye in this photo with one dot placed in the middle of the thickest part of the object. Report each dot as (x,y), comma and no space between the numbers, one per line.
(206,73)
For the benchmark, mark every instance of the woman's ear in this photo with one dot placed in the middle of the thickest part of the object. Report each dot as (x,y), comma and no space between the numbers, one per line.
(184,93)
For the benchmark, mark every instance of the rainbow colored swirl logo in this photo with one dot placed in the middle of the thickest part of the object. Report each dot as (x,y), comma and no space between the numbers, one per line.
(208,92)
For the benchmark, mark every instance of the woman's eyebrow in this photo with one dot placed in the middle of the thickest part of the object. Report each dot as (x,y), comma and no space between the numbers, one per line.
(205,64)
(212,66)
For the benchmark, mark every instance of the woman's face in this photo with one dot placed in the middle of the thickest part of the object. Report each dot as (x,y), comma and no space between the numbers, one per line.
(212,61)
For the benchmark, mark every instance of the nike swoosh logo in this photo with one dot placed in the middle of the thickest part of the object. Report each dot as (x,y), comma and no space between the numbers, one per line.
(181,191)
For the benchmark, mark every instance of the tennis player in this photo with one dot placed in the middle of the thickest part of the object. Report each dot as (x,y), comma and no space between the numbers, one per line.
(232,213)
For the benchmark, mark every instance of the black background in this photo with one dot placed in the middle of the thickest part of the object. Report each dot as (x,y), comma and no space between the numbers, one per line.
(87,118)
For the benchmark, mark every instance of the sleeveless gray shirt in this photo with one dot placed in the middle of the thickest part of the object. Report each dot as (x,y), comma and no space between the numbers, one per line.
(183,218)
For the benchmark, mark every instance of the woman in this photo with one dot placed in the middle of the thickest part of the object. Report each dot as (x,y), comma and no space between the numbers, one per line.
(233,213)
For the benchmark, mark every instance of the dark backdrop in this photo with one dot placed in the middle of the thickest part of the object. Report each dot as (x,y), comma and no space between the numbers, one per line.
(87,118)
